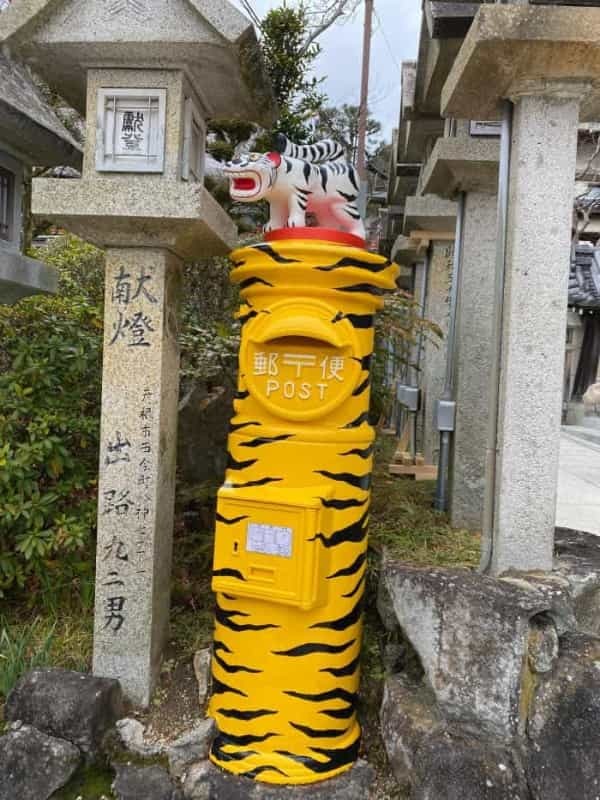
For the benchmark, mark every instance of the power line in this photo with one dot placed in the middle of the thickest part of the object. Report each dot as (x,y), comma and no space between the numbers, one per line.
(381,29)
(251,13)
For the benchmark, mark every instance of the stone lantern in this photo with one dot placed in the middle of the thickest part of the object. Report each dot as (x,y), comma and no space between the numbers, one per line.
(147,74)
(30,134)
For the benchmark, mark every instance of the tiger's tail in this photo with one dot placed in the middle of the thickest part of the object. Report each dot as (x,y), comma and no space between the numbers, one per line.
(317,153)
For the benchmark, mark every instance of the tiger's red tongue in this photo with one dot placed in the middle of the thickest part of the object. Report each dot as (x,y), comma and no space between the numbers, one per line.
(244,184)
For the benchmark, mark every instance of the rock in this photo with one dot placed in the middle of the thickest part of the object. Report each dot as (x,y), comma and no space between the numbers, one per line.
(131,733)
(70,705)
(191,747)
(577,560)
(197,782)
(144,783)
(385,605)
(451,767)
(394,657)
(408,717)
(556,591)
(205,782)
(471,633)
(202,672)
(33,765)
(543,644)
(441,762)
(564,727)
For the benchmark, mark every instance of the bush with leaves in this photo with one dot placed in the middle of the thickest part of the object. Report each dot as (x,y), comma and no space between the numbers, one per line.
(399,327)
(289,59)
(50,377)
(209,335)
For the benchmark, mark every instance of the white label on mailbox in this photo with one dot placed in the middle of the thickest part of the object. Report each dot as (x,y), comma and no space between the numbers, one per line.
(272,540)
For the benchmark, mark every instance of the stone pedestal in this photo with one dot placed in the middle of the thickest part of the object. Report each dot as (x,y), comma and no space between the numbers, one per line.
(473,360)
(147,227)
(137,466)
(542,172)
(147,78)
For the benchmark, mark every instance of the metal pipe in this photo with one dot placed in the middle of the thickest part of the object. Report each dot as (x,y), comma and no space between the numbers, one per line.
(413,434)
(489,504)
(446,401)
(441,490)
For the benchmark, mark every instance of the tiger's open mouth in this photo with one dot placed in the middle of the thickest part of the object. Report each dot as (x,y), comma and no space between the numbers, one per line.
(244,184)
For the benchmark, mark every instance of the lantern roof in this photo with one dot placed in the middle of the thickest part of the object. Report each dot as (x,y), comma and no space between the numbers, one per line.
(210,39)
(28,125)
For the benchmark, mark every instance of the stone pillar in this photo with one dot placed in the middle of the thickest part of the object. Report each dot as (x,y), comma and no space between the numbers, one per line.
(544,145)
(573,412)
(418,349)
(437,309)
(473,359)
(137,466)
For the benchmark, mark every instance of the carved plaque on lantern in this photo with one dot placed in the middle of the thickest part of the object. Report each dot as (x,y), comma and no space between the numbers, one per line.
(131,130)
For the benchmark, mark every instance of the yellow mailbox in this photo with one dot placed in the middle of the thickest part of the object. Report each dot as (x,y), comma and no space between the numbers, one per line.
(291,537)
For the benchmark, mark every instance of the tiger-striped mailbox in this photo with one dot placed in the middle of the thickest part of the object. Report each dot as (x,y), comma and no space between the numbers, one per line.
(291,539)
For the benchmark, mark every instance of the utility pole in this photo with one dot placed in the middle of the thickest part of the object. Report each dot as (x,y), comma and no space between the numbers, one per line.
(364,105)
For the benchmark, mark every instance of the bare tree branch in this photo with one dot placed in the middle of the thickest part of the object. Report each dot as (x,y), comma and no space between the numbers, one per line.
(582,173)
(326,16)
(582,214)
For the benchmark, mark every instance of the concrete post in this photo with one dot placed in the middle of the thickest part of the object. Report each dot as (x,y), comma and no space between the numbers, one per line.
(437,308)
(542,173)
(473,359)
(137,466)
(418,350)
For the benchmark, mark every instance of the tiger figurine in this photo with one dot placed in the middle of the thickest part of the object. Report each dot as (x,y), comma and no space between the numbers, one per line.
(296,179)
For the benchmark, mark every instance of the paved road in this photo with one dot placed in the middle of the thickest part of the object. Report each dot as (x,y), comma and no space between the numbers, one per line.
(578,503)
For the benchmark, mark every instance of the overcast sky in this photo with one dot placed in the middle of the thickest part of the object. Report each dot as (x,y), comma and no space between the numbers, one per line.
(395,39)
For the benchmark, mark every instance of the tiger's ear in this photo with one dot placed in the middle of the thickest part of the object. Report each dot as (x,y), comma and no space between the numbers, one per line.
(275,158)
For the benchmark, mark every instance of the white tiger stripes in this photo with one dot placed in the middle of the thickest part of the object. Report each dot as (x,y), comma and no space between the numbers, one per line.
(300,179)
(317,153)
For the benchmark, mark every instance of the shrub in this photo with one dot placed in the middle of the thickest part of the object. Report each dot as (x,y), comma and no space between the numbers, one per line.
(398,328)
(50,351)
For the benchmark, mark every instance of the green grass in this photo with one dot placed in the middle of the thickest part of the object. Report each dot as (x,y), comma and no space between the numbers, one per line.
(23,648)
(404,522)
(88,783)
(30,639)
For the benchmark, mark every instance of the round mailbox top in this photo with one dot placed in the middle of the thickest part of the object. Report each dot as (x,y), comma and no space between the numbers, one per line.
(322,234)
(297,363)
